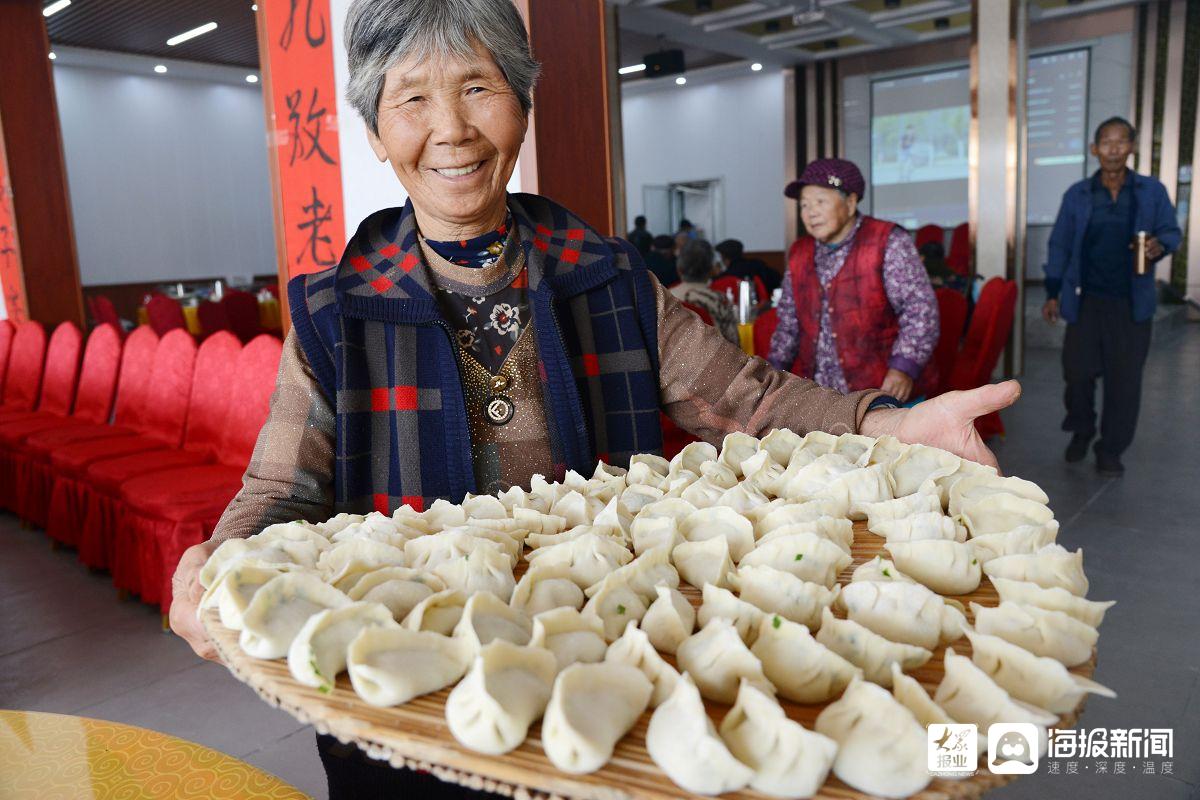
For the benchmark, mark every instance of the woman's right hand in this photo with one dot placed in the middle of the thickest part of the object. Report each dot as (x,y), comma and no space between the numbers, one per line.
(187,591)
(1050,311)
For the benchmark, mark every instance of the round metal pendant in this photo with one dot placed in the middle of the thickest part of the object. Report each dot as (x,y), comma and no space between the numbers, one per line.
(498,409)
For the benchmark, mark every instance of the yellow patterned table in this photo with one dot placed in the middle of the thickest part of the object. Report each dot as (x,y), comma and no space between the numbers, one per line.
(50,756)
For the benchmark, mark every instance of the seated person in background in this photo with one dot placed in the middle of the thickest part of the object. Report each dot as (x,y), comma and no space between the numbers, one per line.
(695,271)
(857,309)
(661,260)
(687,232)
(939,272)
(736,264)
(639,237)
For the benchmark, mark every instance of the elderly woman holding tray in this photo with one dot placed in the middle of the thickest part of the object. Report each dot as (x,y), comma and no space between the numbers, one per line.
(474,338)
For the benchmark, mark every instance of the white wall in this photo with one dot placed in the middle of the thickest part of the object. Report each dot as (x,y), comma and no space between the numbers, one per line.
(167,174)
(731,129)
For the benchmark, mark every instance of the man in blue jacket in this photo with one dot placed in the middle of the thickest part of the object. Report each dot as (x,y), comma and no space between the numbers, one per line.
(1091,283)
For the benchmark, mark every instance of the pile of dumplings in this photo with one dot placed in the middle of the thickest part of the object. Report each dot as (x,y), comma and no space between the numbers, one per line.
(596,630)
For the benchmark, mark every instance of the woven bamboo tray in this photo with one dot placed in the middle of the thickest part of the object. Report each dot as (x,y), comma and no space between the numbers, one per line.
(416,736)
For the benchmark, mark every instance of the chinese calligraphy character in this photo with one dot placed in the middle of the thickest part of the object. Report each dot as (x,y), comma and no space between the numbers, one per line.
(285,40)
(307,125)
(1097,743)
(319,213)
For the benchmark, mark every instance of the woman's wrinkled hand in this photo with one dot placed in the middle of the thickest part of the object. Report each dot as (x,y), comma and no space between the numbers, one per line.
(187,592)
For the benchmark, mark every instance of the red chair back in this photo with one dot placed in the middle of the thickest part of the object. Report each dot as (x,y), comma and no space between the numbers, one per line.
(26,357)
(104,312)
(6,337)
(764,329)
(165,314)
(952,313)
(62,370)
(98,375)
(213,393)
(133,383)
(929,233)
(253,384)
(170,385)
(987,334)
(213,317)
(959,257)
(242,310)
(703,314)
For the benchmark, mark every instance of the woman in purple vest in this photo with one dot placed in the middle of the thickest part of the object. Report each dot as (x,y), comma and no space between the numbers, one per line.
(473,338)
(858,311)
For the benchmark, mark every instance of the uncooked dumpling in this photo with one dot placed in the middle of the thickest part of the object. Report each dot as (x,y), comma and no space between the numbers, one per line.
(652,568)
(589,558)
(390,666)
(924,525)
(699,563)
(1051,566)
(398,588)
(571,636)
(486,618)
(235,587)
(780,444)
(1089,612)
(782,593)
(986,482)
(276,553)
(918,464)
(615,604)
(903,612)
(1018,541)
(807,555)
(543,588)
(1053,634)
(504,692)
(591,707)
(868,650)
(837,530)
(999,513)
(280,608)
(634,649)
(801,668)
(717,659)
(482,570)
(438,613)
(925,500)
(879,569)
(669,620)
(430,552)
(1039,681)
(318,653)
(947,567)
(718,602)
(708,523)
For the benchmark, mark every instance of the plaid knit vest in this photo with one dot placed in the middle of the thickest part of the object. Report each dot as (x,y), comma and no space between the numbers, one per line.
(376,341)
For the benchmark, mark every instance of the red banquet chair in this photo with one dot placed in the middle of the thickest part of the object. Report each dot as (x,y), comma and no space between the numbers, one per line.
(168,512)
(24,379)
(6,337)
(241,308)
(165,314)
(952,313)
(213,317)
(986,338)
(959,257)
(764,329)
(103,311)
(929,233)
(731,283)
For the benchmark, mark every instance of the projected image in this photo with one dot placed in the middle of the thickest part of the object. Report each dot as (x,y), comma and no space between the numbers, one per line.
(920,146)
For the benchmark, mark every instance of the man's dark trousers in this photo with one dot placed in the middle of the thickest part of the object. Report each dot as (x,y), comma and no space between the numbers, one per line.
(1105,343)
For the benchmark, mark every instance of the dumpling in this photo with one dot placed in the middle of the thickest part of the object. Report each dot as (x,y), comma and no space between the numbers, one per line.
(486,618)
(1018,541)
(506,689)
(692,457)
(574,508)
(438,613)
(268,552)
(571,636)
(589,558)
(538,541)
(398,588)
(591,707)
(717,659)
(334,524)
(807,555)
(977,486)
(699,563)
(484,506)
(865,485)
(707,523)
(235,587)
(513,497)
(788,759)
(947,567)
(881,747)
(408,519)
(634,649)
(925,525)
(318,653)
(543,588)
(802,481)
(669,620)
(615,603)
(818,443)
(443,514)
(615,517)
(343,565)
(1051,566)
(879,569)
(743,498)
(924,501)
(638,496)
(682,741)
(481,570)
(389,666)
(1089,612)
(919,464)
(430,552)
(667,508)
(654,533)
(652,568)
(718,602)
(802,669)
(869,651)
(504,532)
(702,493)
(886,450)
(789,514)
(736,448)
(967,694)
(1039,681)
(1045,633)
(279,610)
(855,447)
(839,531)
(912,695)
(536,522)
(779,444)
(376,527)
(298,532)
(903,612)
(999,513)
(778,592)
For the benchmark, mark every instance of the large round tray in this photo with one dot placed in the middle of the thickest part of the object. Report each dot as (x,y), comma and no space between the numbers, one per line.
(416,736)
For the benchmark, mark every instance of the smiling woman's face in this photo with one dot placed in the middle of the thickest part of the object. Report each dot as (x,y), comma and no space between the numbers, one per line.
(452,129)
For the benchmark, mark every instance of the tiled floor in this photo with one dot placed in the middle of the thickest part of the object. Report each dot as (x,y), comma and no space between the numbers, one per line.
(67,644)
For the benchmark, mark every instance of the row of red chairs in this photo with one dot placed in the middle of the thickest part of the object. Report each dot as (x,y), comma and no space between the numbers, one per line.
(958,258)
(131,451)
(237,312)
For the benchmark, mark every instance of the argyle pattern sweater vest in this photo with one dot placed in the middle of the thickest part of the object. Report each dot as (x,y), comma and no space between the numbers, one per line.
(864,324)
(376,342)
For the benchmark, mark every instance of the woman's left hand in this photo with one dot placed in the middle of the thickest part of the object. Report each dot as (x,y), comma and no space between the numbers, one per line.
(898,385)
(947,421)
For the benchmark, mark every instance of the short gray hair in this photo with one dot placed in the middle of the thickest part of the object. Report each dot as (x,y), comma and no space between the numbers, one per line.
(695,262)
(382,33)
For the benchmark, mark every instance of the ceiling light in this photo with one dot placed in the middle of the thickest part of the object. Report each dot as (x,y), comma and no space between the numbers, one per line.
(254,6)
(680,81)
(52,56)
(631,69)
(160,69)
(251,79)
(756,67)
(192,34)
(55,7)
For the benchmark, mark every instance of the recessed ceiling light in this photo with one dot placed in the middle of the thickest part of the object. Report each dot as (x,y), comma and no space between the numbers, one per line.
(254,6)
(52,56)
(251,79)
(680,81)
(55,7)
(756,67)
(160,69)
(632,68)
(192,34)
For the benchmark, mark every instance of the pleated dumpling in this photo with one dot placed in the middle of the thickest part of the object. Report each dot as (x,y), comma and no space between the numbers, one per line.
(652,568)
(918,464)
(634,649)
(481,570)
(655,532)
(786,514)
(878,569)
(736,448)
(637,496)
(378,528)
(1018,541)
(788,759)
(591,707)
(503,693)
(484,506)
(782,593)
(682,741)
(268,552)
(538,541)
(973,487)
(780,444)
(279,610)
(234,588)
(669,620)
(702,493)
(903,612)
(336,523)
(838,530)
(999,513)
(743,498)
(718,602)
(946,566)
(318,653)
(1089,612)
(535,521)
(543,588)
(692,457)
(925,500)
(1051,566)
(803,481)
(389,666)
(430,552)
(1033,679)
(298,532)
(1053,634)
(867,650)
(807,555)
(589,558)
(708,523)
(924,525)
(855,447)
(398,588)
(700,563)
(802,669)
(438,613)
(571,636)
(486,618)
(615,603)
(912,695)
(344,564)
(881,746)
(718,659)
(443,514)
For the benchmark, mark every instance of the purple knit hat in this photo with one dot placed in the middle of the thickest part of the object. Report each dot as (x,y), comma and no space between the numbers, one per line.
(834,173)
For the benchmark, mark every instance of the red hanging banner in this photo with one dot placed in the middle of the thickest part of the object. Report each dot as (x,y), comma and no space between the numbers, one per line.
(12,279)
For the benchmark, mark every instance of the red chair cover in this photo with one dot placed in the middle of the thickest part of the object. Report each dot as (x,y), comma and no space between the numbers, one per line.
(165,314)
(26,356)
(987,336)
(103,311)
(959,257)
(929,233)
(764,329)
(242,310)
(6,337)
(213,317)
(952,313)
